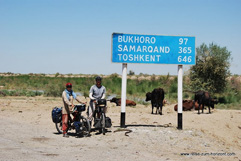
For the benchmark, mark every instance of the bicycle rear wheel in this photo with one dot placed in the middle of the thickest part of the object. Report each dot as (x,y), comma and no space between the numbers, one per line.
(59,127)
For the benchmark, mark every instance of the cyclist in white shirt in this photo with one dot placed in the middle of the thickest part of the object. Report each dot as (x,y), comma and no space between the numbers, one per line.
(97,91)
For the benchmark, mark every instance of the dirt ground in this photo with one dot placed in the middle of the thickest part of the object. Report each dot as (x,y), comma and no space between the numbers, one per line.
(28,133)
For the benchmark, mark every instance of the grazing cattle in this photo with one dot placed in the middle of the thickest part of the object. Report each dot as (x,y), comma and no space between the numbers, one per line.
(156,97)
(164,102)
(197,106)
(188,105)
(118,102)
(203,98)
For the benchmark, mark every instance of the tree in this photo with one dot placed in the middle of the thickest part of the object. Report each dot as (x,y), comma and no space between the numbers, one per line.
(212,68)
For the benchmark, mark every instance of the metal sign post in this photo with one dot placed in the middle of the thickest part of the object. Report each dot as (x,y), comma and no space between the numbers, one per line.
(179,111)
(123,95)
(152,49)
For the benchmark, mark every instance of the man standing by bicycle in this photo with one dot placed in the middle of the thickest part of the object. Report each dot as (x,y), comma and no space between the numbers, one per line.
(97,91)
(68,97)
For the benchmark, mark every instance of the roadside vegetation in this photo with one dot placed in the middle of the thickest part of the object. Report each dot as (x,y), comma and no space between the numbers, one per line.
(37,84)
(137,87)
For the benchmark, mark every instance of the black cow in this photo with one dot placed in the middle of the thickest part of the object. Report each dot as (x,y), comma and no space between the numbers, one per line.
(204,98)
(156,97)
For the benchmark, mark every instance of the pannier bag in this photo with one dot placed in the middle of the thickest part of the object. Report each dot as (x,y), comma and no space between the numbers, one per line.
(57,114)
(108,123)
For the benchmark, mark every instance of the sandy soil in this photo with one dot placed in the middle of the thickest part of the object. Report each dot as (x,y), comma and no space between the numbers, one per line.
(28,133)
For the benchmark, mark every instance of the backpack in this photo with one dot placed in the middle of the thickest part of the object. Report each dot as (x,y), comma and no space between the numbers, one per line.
(57,115)
(108,123)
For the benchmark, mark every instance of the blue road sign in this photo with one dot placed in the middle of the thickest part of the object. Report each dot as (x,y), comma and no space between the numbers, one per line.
(153,49)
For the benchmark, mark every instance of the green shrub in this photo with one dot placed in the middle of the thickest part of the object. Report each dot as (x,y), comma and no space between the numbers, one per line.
(54,90)
(173,88)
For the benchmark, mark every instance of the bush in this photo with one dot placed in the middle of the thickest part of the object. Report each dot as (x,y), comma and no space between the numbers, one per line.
(173,88)
(131,72)
(54,90)
(27,93)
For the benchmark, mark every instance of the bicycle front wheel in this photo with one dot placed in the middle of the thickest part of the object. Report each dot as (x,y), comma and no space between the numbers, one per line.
(85,125)
(103,123)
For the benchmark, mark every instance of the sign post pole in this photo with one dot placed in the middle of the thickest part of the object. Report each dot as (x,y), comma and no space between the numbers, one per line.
(123,95)
(179,115)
